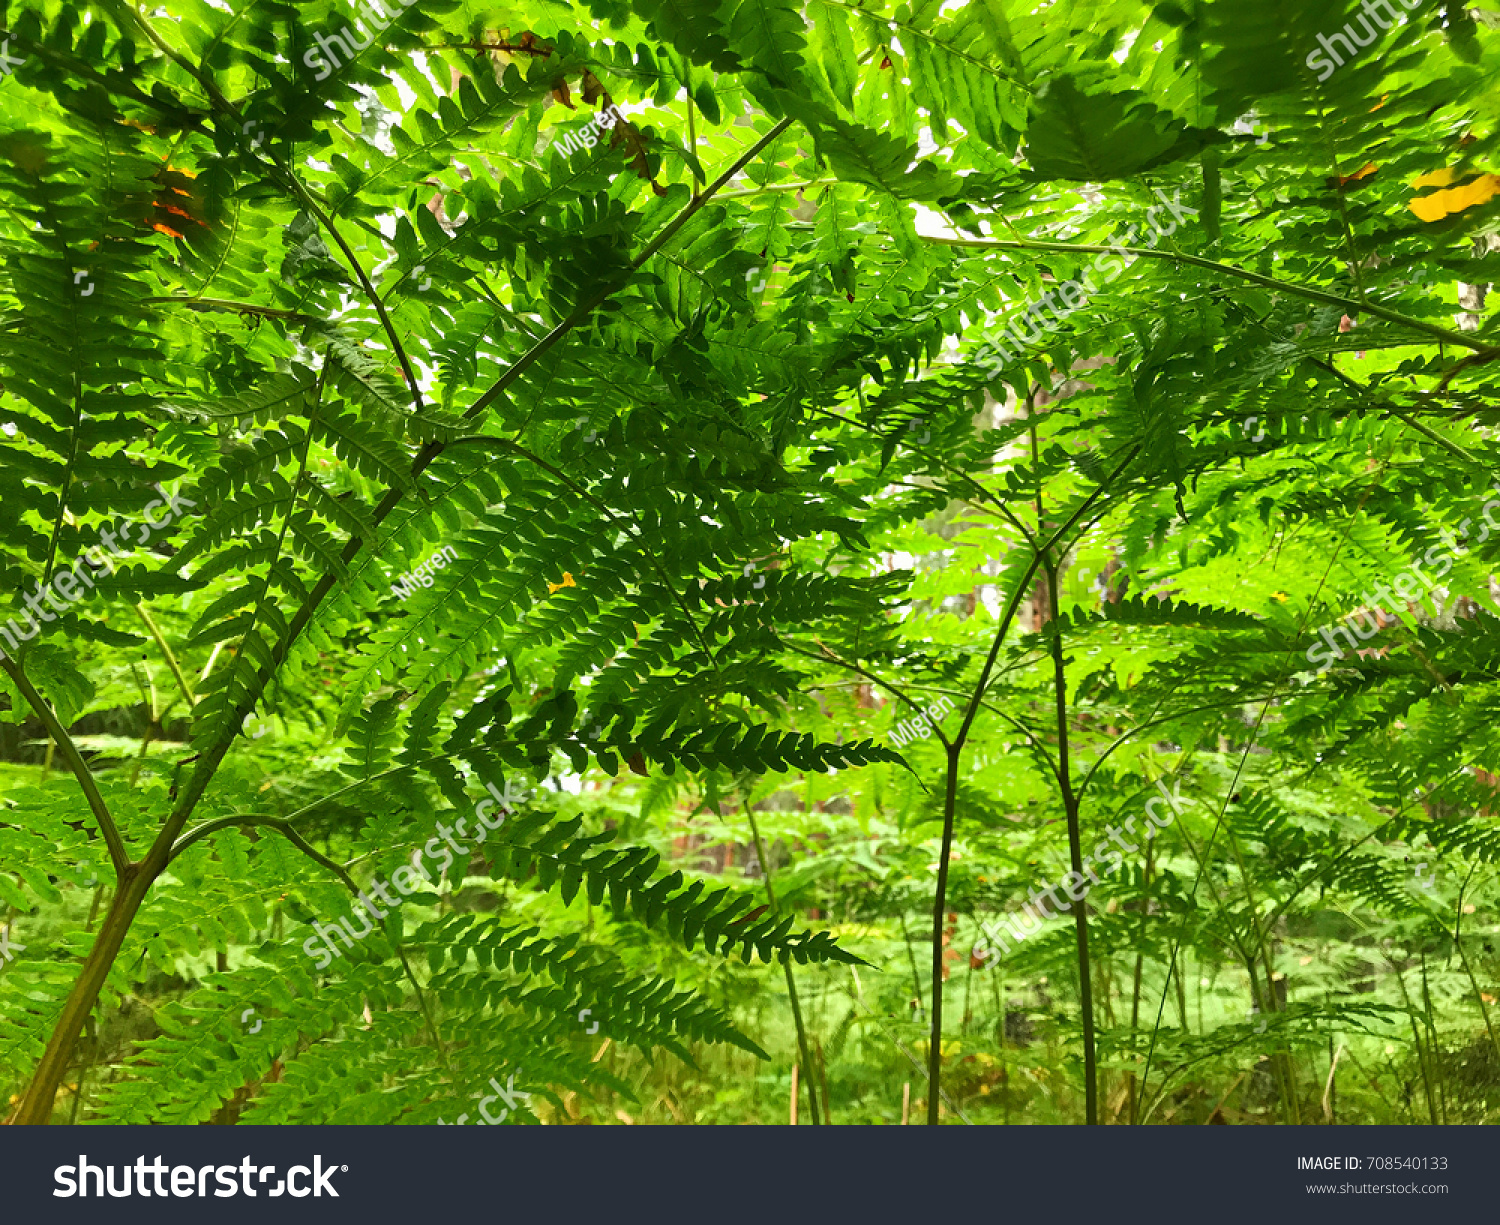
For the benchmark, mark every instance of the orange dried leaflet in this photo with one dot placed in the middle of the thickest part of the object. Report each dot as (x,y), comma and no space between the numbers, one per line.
(176,208)
(1440,204)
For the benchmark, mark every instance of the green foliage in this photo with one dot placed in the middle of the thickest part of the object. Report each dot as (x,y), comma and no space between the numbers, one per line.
(715,516)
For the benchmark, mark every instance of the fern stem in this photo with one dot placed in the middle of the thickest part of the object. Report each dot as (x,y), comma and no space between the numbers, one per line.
(1364,392)
(88,925)
(791,983)
(911,957)
(1301,291)
(939,907)
(140,757)
(1338,187)
(64,742)
(1015,602)
(1140,966)
(65,482)
(38,1097)
(83,1074)
(985,496)
(1069,797)
(1434,1045)
(1259,935)
(874,1016)
(234,718)
(692,122)
(172,665)
(1124,737)
(1464,957)
(1405,418)
(1375,1085)
(432,1028)
(1416,1037)
(760,191)
(1075,854)
(830,656)
(823,1080)
(281,825)
(236,308)
(385,320)
(1223,810)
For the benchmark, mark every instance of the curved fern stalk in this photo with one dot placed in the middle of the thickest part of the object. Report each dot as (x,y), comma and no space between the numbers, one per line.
(1466,340)
(108,830)
(244,670)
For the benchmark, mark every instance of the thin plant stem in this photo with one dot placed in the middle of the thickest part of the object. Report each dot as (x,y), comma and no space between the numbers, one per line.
(1416,1036)
(64,742)
(161,642)
(1468,969)
(83,1074)
(432,1028)
(939,906)
(1071,808)
(791,982)
(1075,854)
(1343,301)
(916,977)
(1434,1046)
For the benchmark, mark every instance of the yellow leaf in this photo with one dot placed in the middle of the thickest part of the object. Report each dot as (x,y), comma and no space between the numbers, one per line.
(1455,199)
(567,582)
